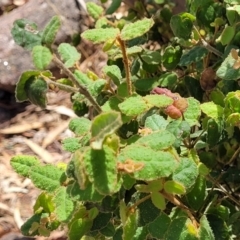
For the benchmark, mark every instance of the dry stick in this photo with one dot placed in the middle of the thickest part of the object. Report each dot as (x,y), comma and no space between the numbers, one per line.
(176,202)
(207,45)
(83,90)
(126,64)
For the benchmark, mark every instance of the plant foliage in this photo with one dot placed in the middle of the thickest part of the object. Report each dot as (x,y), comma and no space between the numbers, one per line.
(156,147)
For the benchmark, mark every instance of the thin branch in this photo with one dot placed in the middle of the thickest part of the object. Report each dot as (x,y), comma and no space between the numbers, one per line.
(126,64)
(83,90)
(207,45)
(61,86)
(177,203)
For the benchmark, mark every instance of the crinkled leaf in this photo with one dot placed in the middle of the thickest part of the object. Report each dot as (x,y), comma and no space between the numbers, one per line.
(160,101)
(46,177)
(44,203)
(36,90)
(146,84)
(78,228)
(25,228)
(212,110)
(50,30)
(151,57)
(156,122)
(100,35)
(114,73)
(94,10)
(158,140)
(193,112)
(186,172)
(82,78)
(71,144)
(205,231)
(80,126)
(25,33)
(96,87)
(227,71)
(130,227)
(133,106)
(193,55)
(89,194)
(136,29)
(171,57)
(104,125)
(69,54)
(20,91)
(64,205)
(41,57)
(156,164)
(101,168)
(23,163)
(159,226)
(181,25)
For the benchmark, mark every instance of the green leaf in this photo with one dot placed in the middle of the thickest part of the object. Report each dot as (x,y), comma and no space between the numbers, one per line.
(94,10)
(89,194)
(136,29)
(44,203)
(78,170)
(64,205)
(101,168)
(171,57)
(193,112)
(96,87)
(158,200)
(160,101)
(156,164)
(151,57)
(198,193)
(159,226)
(36,90)
(148,211)
(133,106)
(69,54)
(205,231)
(214,131)
(104,125)
(174,187)
(46,177)
(100,35)
(25,33)
(78,228)
(212,110)
(82,78)
(182,24)
(25,228)
(182,228)
(41,57)
(50,30)
(227,35)
(130,227)
(156,122)
(23,163)
(233,119)
(193,55)
(146,84)
(101,221)
(114,6)
(227,71)
(159,140)
(114,73)
(80,126)
(71,144)
(20,91)
(186,173)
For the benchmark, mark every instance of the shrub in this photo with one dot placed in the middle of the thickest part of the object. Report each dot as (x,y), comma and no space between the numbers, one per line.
(158,156)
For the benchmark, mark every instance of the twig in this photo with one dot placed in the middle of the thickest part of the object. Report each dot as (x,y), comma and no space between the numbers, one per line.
(207,45)
(83,90)
(126,64)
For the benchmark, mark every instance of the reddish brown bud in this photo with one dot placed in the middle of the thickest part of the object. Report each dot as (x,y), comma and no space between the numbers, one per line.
(173,112)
